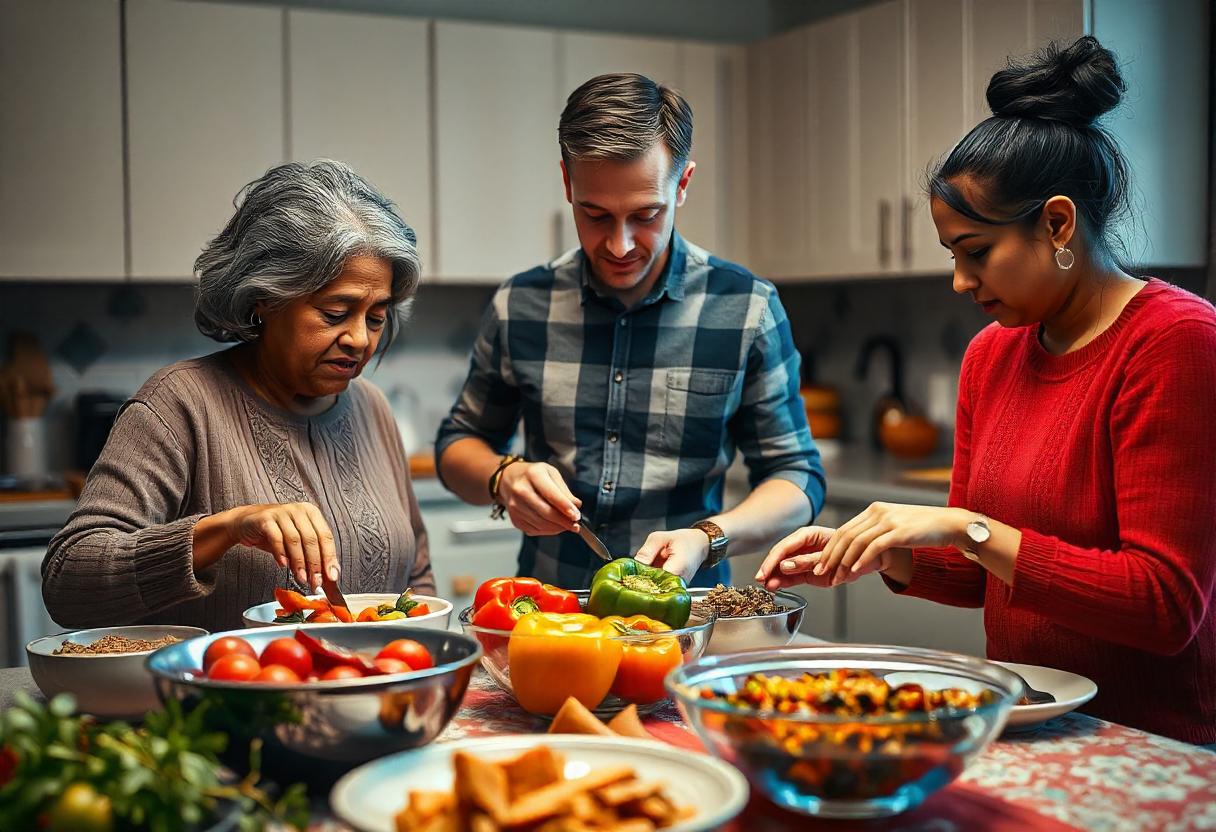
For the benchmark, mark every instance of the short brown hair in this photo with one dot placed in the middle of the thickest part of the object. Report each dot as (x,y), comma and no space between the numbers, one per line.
(621,116)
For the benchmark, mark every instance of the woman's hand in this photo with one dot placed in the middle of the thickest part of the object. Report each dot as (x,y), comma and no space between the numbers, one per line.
(871,540)
(537,499)
(295,533)
(789,563)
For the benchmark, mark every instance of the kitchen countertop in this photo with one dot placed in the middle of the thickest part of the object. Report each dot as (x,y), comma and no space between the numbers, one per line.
(1075,771)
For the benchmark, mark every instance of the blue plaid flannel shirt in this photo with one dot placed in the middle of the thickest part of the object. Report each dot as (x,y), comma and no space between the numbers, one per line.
(640,410)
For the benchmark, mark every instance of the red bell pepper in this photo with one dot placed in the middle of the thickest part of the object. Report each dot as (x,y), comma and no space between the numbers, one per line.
(500,602)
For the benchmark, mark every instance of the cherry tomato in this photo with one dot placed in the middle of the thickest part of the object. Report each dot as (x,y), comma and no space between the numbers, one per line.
(342,671)
(277,674)
(80,809)
(408,651)
(221,647)
(8,763)
(289,653)
(388,664)
(235,667)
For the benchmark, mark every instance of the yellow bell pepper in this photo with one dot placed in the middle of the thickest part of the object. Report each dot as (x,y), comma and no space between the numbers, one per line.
(555,655)
(645,660)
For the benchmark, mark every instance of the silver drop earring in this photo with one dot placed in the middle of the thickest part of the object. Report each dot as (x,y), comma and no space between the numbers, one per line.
(1065,258)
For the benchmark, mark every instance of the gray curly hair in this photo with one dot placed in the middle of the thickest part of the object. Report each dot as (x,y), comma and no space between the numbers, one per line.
(291,234)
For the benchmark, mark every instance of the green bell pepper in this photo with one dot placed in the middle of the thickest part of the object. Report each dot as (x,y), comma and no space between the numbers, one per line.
(625,587)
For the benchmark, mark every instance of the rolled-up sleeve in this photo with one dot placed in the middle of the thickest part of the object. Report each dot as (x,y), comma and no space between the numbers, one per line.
(488,406)
(770,427)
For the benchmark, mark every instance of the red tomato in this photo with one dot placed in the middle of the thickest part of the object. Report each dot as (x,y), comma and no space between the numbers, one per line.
(342,671)
(235,667)
(277,674)
(289,653)
(221,647)
(388,664)
(408,651)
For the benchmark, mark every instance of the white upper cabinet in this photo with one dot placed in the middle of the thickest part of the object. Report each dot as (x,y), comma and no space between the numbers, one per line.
(937,111)
(878,162)
(358,92)
(205,117)
(61,176)
(834,212)
(779,198)
(499,190)
(694,70)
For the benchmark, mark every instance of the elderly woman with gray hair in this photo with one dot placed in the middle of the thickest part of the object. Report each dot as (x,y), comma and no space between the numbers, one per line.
(270,461)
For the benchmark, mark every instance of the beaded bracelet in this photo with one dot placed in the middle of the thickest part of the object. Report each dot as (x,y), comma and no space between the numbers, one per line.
(499,511)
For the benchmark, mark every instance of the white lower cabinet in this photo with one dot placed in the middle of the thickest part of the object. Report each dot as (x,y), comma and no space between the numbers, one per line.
(467,548)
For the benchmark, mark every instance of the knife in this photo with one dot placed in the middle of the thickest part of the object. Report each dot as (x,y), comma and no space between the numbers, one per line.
(589,537)
(335,598)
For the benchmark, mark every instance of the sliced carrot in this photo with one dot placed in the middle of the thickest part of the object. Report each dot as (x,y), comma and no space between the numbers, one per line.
(368,614)
(419,609)
(342,614)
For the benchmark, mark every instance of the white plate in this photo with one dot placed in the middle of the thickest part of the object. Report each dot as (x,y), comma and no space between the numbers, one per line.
(437,619)
(369,797)
(1070,689)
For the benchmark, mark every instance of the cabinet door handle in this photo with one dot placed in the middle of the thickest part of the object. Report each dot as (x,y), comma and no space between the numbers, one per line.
(464,530)
(906,230)
(884,233)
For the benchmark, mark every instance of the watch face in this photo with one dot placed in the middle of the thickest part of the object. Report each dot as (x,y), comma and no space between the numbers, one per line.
(978,531)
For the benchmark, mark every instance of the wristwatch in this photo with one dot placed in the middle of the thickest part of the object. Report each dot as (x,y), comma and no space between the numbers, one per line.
(718,541)
(977,533)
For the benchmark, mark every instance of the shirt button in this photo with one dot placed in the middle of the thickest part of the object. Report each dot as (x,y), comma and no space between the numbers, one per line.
(618,376)
(614,436)
(607,486)
(624,322)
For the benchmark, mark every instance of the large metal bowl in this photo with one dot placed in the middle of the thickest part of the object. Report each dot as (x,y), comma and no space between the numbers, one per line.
(325,725)
(755,632)
(108,685)
(829,765)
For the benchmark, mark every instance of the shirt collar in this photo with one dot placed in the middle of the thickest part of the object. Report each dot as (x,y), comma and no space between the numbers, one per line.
(670,282)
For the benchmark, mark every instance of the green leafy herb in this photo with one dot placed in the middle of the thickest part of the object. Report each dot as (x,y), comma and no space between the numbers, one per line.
(59,771)
(296,617)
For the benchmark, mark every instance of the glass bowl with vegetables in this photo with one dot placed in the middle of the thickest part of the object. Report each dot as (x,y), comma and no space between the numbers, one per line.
(846,731)
(290,607)
(607,647)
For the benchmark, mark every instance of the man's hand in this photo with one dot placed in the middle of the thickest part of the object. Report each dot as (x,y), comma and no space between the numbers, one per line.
(680,551)
(537,499)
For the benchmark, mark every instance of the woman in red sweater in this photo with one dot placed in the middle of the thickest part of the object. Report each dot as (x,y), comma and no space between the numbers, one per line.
(1082,510)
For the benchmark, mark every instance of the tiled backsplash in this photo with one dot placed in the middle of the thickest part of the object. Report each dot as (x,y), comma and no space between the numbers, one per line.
(112,337)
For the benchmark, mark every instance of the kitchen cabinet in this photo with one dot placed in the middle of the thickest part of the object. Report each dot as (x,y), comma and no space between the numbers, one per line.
(936,113)
(778,173)
(205,116)
(466,547)
(694,69)
(61,166)
(499,197)
(358,88)
(847,115)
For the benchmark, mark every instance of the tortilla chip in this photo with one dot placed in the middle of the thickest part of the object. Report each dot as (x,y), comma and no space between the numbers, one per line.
(532,770)
(628,724)
(574,718)
(628,791)
(481,784)
(551,800)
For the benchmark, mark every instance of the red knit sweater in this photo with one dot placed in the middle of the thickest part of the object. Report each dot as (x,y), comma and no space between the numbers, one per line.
(1105,458)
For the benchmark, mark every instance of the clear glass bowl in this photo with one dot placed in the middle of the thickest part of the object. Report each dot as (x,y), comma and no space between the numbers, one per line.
(632,683)
(846,767)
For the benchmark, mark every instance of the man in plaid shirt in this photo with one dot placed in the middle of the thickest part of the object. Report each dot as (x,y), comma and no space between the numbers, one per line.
(638,364)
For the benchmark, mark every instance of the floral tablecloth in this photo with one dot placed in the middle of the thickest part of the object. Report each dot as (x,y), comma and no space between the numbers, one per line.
(1074,772)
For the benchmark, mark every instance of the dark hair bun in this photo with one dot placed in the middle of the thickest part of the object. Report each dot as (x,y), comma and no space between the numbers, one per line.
(1075,85)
